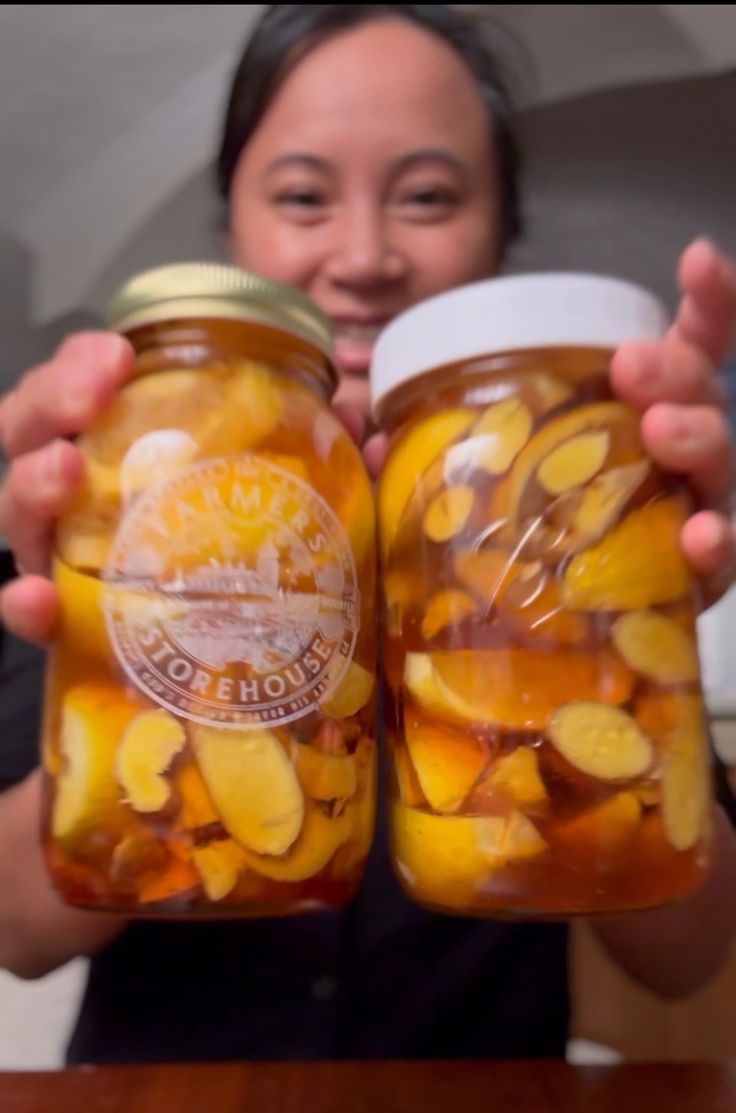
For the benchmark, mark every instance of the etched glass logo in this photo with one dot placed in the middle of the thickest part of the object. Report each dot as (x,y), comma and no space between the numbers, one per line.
(234,594)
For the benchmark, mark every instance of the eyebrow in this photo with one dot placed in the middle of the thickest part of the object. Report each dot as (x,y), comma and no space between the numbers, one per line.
(428,154)
(298,158)
(404,162)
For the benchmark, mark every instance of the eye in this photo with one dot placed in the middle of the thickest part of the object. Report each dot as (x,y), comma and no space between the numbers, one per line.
(302,204)
(428,202)
(301,198)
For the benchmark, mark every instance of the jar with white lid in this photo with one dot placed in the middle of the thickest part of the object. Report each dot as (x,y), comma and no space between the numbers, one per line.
(546,726)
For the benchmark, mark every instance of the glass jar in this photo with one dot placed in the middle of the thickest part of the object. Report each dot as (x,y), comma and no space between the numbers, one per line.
(545,716)
(208,741)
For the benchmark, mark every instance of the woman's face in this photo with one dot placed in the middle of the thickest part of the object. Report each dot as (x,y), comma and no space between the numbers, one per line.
(369,184)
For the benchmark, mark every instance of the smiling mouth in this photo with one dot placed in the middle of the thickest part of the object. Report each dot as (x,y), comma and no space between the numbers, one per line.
(349,332)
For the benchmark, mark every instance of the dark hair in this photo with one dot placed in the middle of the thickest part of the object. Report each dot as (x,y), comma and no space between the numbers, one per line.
(289,31)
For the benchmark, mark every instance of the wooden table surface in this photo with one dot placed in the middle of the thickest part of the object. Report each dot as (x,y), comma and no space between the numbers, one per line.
(444,1087)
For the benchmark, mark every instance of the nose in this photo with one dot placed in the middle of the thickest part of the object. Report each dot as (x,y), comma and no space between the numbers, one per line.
(363,255)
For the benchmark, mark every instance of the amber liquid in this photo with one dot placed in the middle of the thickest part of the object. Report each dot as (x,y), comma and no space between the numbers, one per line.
(157,808)
(544,709)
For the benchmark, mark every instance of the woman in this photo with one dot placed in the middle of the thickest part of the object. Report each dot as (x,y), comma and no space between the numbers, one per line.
(368,159)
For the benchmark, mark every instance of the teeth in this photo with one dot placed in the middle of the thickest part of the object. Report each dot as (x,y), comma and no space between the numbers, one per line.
(357,334)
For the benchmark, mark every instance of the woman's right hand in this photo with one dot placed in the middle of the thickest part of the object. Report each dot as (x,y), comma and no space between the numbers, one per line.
(51,403)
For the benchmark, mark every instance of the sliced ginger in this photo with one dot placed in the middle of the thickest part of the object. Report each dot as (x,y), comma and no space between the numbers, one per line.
(351,694)
(448,513)
(446,608)
(613,418)
(601,741)
(638,564)
(656,646)
(218,865)
(253,786)
(147,747)
(320,837)
(499,435)
(676,723)
(407,462)
(516,688)
(87,796)
(602,501)
(447,764)
(686,789)
(574,462)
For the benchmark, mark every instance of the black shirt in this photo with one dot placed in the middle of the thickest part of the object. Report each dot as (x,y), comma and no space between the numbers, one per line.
(380,979)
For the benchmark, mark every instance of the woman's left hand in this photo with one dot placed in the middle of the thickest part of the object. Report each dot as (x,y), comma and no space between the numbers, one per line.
(684,427)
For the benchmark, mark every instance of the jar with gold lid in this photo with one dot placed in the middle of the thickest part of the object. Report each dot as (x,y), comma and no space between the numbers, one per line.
(208,737)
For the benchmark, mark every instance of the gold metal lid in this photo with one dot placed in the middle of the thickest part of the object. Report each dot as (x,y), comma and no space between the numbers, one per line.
(212,290)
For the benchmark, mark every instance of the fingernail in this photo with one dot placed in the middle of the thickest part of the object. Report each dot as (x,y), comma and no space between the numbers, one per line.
(118,346)
(716,533)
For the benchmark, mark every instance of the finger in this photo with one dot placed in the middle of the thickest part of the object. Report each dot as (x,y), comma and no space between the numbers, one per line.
(706,314)
(39,487)
(61,397)
(694,441)
(374,453)
(709,544)
(353,421)
(29,608)
(353,392)
(645,372)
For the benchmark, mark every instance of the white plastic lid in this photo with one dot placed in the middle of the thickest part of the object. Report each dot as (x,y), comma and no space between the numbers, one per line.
(512,314)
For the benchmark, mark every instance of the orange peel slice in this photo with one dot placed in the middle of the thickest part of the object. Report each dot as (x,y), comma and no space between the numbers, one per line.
(518,689)
(447,764)
(639,564)
(407,462)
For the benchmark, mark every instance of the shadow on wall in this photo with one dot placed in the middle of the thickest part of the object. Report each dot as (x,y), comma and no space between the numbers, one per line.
(23,344)
(188,226)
